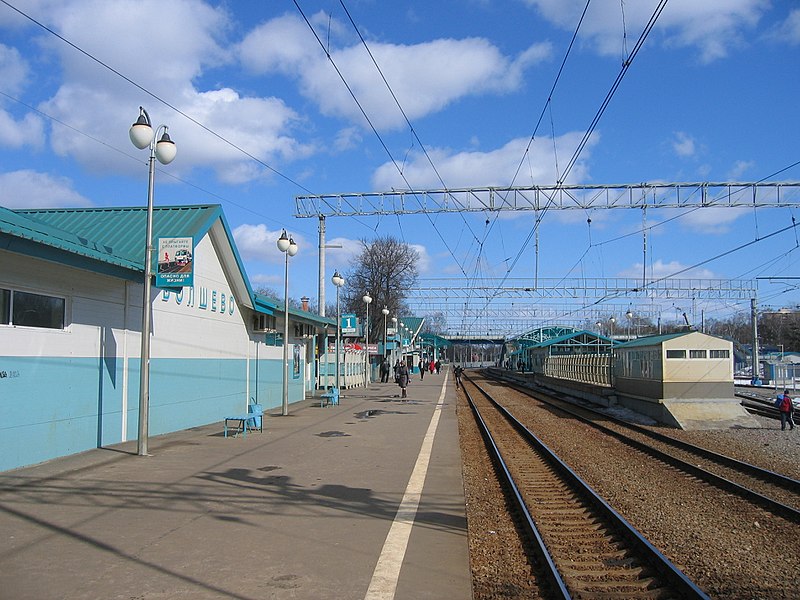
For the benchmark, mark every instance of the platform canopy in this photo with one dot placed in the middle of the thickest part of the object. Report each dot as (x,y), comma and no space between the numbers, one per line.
(559,340)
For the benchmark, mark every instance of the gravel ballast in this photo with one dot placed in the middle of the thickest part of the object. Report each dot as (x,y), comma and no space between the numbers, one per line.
(727,546)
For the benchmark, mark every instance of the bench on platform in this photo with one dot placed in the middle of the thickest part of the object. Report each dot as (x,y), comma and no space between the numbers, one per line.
(331,396)
(253,419)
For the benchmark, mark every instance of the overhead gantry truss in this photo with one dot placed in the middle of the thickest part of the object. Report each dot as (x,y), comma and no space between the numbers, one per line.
(531,312)
(481,294)
(429,290)
(552,197)
(504,306)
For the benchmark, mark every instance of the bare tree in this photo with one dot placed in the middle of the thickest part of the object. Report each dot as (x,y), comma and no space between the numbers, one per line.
(435,323)
(386,269)
(270,292)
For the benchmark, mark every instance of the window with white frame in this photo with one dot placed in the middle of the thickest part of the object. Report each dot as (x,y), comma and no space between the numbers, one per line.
(26,309)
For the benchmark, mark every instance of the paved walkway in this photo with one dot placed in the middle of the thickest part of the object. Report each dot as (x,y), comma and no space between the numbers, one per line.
(324,504)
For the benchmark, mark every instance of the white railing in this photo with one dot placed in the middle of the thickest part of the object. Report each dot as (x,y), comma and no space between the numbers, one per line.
(586,368)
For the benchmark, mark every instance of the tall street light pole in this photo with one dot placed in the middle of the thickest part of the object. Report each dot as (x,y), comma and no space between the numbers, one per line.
(385,312)
(338,281)
(396,329)
(367,300)
(288,246)
(142,136)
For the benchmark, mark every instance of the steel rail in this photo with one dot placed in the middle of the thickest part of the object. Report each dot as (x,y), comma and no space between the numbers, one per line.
(551,575)
(723,483)
(671,574)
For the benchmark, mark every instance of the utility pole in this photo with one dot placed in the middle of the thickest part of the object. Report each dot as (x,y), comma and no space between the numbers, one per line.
(754,321)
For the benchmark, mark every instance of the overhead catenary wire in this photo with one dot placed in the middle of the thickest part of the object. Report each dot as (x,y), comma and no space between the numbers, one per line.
(156,97)
(137,159)
(369,121)
(413,133)
(526,153)
(590,130)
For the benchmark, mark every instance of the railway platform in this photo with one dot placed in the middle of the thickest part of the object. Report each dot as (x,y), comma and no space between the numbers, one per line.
(358,500)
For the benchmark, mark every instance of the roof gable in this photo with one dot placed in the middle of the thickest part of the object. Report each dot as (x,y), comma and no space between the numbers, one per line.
(113,235)
(120,232)
(654,340)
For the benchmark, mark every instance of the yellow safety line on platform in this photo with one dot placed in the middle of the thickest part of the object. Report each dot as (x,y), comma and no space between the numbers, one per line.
(387,571)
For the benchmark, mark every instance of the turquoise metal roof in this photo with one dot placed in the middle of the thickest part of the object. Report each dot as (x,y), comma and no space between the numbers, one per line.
(413,323)
(580,337)
(117,234)
(542,334)
(265,303)
(113,237)
(654,340)
(435,340)
(24,225)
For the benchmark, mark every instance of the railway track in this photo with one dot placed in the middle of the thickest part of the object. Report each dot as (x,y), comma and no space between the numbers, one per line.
(772,491)
(585,548)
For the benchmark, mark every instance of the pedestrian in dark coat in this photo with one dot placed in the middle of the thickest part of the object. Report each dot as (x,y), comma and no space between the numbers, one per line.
(385,371)
(457,372)
(402,379)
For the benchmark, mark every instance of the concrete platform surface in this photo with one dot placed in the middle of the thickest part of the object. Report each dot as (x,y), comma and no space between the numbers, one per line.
(360,500)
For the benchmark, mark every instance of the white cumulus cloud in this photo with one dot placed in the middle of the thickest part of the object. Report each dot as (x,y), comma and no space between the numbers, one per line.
(710,26)
(30,189)
(683,144)
(661,268)
(258,242)
(425,77)
(488,168)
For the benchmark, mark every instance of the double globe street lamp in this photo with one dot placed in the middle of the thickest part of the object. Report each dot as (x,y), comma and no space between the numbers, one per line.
(367,300)
(395,341)
(142,136)
(385,312)
(288,246)
(338,281)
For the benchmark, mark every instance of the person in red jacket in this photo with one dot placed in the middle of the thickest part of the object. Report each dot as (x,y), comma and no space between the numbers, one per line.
(786,407)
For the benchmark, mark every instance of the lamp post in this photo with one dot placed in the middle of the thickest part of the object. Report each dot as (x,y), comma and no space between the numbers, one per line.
(629,316)
(288,246)
(394,325)
(385,312)
(367,299)
(338,281)
(611,321)
(142,136)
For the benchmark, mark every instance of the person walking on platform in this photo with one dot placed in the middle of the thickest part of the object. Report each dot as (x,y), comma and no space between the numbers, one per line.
(402,380)
(457,373)
(438,366)
(421,370)
(385,371)
(786,408)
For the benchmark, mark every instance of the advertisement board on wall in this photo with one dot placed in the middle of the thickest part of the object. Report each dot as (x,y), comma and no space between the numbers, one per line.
(175,262)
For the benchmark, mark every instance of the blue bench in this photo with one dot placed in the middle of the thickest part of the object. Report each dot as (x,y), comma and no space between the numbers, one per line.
(254,419)
(331,396)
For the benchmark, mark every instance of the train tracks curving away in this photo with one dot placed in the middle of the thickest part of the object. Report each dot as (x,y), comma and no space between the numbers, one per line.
(680,497)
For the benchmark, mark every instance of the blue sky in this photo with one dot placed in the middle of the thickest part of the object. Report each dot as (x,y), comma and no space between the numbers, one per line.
(711,96)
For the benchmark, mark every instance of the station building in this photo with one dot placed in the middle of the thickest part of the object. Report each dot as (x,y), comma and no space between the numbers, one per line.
(71,307)
(682,379)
